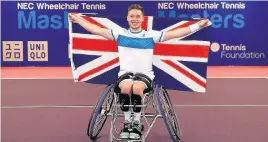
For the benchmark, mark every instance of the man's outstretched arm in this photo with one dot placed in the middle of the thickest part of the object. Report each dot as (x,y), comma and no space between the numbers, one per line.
(91,27)
(180,32)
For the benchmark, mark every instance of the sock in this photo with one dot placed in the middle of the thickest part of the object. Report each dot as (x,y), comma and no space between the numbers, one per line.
(127,115)
(137,116)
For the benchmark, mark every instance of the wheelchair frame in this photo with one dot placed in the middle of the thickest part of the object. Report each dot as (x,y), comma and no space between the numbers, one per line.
(108,105)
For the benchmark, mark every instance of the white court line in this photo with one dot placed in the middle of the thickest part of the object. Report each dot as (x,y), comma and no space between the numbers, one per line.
(43,78)
(243,77)
(220,105)
(91,106)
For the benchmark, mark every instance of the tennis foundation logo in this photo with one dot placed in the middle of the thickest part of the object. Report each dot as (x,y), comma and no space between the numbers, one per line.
(235,51)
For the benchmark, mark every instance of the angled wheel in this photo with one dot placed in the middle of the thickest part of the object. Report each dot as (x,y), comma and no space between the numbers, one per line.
(99,114)
(168,113)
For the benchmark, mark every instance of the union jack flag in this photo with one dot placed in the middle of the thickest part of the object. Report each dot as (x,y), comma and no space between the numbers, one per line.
(177,64)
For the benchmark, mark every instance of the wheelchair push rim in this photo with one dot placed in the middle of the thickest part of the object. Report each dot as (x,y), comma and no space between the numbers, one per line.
(99,114)
(168,113)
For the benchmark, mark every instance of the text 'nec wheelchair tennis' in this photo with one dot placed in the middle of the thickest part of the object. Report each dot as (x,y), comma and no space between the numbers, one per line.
(108,105)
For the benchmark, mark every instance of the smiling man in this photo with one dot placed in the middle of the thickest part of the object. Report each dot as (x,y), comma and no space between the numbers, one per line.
(135,47)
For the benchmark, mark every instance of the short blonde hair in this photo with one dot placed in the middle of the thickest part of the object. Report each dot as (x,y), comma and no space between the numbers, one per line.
(136,6)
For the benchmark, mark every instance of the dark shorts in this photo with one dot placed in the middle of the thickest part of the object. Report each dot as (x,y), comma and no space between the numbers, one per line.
(137,77)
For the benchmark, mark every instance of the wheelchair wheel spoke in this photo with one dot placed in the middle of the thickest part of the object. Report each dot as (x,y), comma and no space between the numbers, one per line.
(99,121)
(168,114)
(99,115)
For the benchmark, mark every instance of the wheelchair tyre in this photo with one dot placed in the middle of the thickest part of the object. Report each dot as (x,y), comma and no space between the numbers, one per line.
(99,114)
(171,122)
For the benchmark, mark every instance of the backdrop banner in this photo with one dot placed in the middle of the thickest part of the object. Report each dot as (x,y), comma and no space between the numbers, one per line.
(36,33)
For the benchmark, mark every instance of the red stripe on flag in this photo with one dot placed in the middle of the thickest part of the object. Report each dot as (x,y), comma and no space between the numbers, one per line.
(145,23)
(181,50)
(186,73)
(99,68)
(95,45)
(184,25)
(91,20)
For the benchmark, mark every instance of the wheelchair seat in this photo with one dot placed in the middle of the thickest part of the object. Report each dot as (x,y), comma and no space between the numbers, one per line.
(146,91)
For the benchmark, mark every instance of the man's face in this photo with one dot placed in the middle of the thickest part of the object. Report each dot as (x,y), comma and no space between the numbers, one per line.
(135,18)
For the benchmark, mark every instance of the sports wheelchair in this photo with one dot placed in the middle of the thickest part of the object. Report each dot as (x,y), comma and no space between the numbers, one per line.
(108,105)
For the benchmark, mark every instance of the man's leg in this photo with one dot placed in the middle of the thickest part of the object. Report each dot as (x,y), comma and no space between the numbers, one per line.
(124,99)
(136,99)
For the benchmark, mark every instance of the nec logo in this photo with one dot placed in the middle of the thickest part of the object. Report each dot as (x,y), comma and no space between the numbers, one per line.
(25,6)
(166,5)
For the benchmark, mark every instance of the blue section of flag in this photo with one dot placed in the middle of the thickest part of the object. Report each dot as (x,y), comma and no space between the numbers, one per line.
(79,29)
(80,59)
(198,67)
(109,77)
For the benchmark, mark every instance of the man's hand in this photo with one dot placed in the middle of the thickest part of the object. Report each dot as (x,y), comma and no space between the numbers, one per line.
(203,23)
(73,17)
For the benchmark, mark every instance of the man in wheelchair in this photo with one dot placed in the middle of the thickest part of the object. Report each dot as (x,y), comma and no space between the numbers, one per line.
(135,47)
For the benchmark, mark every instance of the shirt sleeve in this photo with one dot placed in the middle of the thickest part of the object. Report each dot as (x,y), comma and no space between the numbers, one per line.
(157,35)
(115,33)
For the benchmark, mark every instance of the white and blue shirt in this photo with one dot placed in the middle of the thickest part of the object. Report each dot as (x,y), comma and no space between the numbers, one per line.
(136,50)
